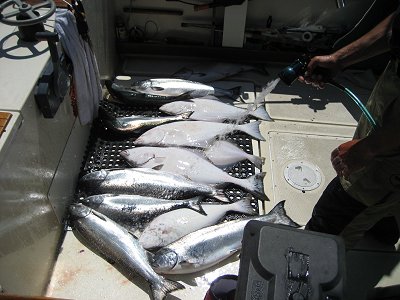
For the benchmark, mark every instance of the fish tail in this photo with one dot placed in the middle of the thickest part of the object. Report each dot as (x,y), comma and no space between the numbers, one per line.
(195,204)
(244,206)
(160,291)
(256,160)
(255,185)
(252,129)
(281,216)
(260,113)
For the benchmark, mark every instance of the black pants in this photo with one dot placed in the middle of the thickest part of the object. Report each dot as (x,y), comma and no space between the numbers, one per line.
(336,209)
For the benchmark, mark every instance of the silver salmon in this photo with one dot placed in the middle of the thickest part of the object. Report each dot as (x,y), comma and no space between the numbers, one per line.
(116,244)
(139,124)
(208,246)
(129,96)
(146,182)
(198,134)
(135,212)
(174,87)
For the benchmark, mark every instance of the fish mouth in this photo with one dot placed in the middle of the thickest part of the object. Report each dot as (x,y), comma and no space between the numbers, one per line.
(124,153)
(78,211)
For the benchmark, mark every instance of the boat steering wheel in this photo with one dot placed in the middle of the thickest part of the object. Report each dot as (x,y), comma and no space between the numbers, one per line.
(33,16)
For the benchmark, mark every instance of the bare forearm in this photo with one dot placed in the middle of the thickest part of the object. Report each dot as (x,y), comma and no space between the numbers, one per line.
(373,43)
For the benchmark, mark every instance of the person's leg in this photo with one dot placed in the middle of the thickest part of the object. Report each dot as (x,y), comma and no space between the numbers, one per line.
(375,215)
(334,210)
(386,231)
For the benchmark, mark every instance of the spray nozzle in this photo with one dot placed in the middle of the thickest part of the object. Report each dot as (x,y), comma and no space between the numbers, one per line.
(289,74)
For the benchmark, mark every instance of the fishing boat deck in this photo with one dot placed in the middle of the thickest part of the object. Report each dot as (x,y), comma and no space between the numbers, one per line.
(308,124)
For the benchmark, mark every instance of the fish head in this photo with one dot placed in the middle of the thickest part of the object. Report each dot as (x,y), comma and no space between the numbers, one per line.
(137,157)
(93,179)
(164,259)
(148,86)
(93,201)
(141,85)
(79,211)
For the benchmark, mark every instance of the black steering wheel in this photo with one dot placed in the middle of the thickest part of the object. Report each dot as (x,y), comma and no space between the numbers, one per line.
(31,13)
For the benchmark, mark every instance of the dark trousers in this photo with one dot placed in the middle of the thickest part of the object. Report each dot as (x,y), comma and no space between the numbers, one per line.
(336,209)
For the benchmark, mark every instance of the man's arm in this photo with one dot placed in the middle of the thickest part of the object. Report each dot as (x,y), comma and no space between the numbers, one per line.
(381,142)
(373,43)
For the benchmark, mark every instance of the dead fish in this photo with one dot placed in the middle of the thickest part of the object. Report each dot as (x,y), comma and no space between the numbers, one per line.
(173,225)
(224,154)
(130,96)
(116,244)
(146,182)
(139,124)
(198,134)
(208,72)
(206,247)
(212,110)
(195,167)
(134,211)
(174,87)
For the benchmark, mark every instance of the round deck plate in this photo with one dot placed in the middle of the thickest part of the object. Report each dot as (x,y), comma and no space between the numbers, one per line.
(303,175)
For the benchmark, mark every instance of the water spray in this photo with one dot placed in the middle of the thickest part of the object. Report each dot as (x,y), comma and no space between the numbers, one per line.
(298,68)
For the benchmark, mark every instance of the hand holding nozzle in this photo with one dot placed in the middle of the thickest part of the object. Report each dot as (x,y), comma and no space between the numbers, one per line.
(320,70)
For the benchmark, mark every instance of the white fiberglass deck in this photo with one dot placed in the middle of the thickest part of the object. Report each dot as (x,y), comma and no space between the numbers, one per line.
(308,125)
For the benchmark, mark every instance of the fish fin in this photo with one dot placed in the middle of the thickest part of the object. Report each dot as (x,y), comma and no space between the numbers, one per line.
(252,129)
(150,255)
(256,186)
(158,167)
(184,96)
(234,250)
(195,204)
(99,215)
(186,115)
(220,195)
(244,206)
(133,234)
(160,290)
(157,88)
(281,216)
(153,163)
(260,113)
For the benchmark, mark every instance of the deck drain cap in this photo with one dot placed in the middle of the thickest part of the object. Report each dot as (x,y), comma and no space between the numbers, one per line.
(303,175)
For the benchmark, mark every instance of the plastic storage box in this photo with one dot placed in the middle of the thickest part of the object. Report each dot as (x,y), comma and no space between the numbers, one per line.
(280,262)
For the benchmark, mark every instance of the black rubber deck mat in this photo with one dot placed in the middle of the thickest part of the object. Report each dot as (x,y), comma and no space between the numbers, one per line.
(104,146)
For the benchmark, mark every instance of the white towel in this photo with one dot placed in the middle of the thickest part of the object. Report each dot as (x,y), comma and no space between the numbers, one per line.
(85,69)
